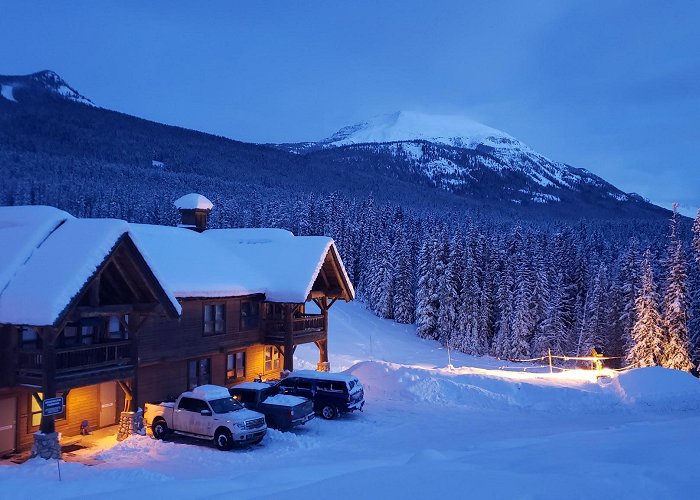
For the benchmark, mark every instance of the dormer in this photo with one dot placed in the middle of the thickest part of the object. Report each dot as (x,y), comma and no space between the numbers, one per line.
(194,209)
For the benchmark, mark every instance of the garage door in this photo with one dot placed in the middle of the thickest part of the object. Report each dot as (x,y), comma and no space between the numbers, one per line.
(8,416)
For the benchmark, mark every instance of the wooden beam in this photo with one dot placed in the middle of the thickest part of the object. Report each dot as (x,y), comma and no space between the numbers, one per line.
(115,310)
(322,272)
(127,278)
(95,291)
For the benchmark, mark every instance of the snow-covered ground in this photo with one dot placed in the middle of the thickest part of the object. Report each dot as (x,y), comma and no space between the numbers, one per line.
(472,431)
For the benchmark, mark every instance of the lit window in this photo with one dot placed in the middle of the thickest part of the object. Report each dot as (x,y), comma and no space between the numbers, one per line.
(272,358)
(235,365)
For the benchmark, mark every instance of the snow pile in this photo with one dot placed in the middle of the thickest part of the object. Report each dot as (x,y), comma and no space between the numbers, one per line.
(209,392)
(659,387)
(284,400)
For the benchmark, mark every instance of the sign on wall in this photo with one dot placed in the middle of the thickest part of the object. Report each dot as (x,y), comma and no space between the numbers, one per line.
(52,406)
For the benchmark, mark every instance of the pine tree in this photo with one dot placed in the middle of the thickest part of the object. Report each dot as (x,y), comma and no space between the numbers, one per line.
(676,353)
(647,331)
(694,288)
(593,330)
(449,283)
(427,303)
(404,307)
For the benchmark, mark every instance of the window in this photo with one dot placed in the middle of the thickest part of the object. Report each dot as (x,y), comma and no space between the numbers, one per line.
(115,329)
(198,372)
(272,358)
(29,339)
(35,409)
(250,311)
(235,365)
(191,404)
(331,386)
(86,332)
(214,315)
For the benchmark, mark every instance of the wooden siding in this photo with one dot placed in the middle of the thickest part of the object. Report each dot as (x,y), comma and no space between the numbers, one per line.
(164,340)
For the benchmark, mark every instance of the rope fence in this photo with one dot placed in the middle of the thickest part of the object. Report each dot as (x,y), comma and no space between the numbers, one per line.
(596,362)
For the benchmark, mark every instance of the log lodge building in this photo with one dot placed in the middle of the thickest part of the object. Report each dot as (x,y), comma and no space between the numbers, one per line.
(109,314)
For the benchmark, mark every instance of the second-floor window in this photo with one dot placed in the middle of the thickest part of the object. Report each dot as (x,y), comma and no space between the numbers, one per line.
(250,312)
(214,319)
(116,330)
(29,339)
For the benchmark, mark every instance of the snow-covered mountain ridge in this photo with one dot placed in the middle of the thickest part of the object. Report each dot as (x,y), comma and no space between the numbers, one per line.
(459,155)
(47,82)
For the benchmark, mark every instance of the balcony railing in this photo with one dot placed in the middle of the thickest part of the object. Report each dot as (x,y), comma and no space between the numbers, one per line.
(76,359)
(305,328)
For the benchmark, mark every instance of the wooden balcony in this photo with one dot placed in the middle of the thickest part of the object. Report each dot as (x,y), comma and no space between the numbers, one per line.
(305,328)
(85,363)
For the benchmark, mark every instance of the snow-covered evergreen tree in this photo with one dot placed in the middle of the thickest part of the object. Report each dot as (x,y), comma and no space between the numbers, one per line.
(427,300)
(694,292)
(593,329)
(647,331)
(676,351)
(404,307)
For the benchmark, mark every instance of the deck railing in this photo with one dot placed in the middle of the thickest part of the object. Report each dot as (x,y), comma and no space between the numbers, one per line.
(76,359)
(302,326)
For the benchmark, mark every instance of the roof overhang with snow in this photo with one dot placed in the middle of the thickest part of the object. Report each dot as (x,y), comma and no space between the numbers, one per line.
(49,258)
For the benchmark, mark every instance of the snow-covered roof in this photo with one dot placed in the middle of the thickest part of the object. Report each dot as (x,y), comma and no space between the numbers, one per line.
(47,257)
(193,201)
(235,262)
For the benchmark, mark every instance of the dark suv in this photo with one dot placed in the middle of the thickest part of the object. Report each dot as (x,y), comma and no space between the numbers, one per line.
(332,393)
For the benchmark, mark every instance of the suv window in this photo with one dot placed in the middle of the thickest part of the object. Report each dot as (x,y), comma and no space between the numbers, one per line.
(304,384)
(245,396)
(287,384)
(330,386)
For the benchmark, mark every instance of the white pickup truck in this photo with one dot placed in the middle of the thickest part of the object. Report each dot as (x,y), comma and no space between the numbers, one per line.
(206,412)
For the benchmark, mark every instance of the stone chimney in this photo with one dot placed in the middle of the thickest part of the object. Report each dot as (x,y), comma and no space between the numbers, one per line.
(194,210)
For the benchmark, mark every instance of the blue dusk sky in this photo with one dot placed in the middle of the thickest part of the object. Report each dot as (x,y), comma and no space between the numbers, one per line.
(612,86)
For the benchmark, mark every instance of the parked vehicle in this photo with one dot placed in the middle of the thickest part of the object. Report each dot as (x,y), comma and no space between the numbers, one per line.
(206,412)
(332,393)
(282,411)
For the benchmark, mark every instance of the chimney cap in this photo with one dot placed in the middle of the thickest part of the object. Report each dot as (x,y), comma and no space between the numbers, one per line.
(193,201)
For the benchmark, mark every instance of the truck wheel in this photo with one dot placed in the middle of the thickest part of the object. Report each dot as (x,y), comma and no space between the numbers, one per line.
(160,429)
(223,439)
(329,412)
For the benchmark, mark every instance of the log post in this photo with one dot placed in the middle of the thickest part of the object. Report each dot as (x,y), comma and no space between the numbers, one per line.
(46,442)
(323,364)
(48,364)
(289,337)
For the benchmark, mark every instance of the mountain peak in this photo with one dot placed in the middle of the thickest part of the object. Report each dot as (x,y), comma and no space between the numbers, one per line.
(45,81)
(402,126)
